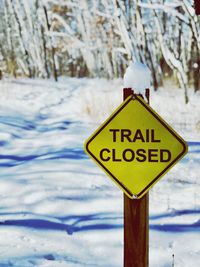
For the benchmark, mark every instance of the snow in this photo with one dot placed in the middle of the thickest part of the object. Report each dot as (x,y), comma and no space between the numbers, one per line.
(57,207)
(138,77)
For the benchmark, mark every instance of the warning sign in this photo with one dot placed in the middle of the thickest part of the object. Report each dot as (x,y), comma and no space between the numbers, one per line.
(135,147)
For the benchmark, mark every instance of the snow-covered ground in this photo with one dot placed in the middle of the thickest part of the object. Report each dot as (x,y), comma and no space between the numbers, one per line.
(57,207)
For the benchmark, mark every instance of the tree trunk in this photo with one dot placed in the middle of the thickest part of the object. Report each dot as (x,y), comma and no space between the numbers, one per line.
(52,46)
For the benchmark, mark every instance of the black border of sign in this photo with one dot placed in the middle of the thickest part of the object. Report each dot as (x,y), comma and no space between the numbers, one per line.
(185,148)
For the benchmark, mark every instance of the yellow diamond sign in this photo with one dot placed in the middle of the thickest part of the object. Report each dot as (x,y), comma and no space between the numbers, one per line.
(135,147)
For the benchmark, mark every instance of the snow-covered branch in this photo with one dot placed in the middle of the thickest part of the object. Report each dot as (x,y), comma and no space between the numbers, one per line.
(98,38)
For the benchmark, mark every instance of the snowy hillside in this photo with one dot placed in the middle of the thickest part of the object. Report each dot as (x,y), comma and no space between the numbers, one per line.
(58,209)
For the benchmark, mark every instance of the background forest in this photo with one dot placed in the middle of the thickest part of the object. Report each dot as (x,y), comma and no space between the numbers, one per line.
(91,38)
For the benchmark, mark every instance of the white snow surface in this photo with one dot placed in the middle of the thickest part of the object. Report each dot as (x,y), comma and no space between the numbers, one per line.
(57,207)
(137,77)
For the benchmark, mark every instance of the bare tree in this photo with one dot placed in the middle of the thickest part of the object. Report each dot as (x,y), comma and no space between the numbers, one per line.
(52,45)
(99,38)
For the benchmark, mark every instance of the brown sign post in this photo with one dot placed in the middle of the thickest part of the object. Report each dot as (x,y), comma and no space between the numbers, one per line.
(135,179)
(136,222)
(197,7)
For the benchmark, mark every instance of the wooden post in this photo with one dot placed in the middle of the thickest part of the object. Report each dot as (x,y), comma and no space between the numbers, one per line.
(197,7)
(136,223)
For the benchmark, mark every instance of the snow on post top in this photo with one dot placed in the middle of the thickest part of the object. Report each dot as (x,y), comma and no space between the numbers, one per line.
(137,77)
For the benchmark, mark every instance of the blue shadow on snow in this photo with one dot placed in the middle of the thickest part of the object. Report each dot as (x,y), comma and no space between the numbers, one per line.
(98,222)
(66,153)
